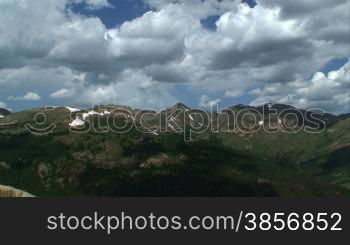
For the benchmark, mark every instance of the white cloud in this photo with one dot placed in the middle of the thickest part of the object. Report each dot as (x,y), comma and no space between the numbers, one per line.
(256,91)
(131,87)
(234,93)
(95,4)
(325,91)
(274,46)
(301,7)
(197,8)
(155,38)
(207,103)
(29,96)
(3,105)
(98,3)
(62,93)
(256,38)
(44,81)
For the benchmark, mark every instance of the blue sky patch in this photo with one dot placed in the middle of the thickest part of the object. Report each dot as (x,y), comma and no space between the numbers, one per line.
(122,10)
(334,64)
(209,22)
(252,3)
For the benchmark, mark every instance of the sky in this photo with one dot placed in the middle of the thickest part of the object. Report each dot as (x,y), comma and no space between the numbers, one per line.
(154,53)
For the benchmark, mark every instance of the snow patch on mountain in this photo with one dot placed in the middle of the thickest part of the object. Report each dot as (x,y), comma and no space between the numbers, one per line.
(77,122)
(90,113)
(71,109)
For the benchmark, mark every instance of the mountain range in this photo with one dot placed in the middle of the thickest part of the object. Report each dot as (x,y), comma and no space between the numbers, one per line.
(4,112)
(238,151)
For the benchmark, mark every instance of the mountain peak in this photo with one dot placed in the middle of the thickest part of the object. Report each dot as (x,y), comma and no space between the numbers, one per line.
(180,105)
(4,112)
(272,106)
(240,107)
(344,116)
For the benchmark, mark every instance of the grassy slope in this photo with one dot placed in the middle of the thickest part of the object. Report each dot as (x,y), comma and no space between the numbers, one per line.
(134,164)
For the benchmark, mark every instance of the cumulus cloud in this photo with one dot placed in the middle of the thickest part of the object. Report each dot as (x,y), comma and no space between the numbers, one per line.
(98,3)
(29,96)
(301,7)
(94,4)
(62,93)
(324,20)
(3,105)
(325,91)
(208,103)
(131,87)
(268,50)
(45,81)
(255,37)
(155,38)
(233,93)
(198,8)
